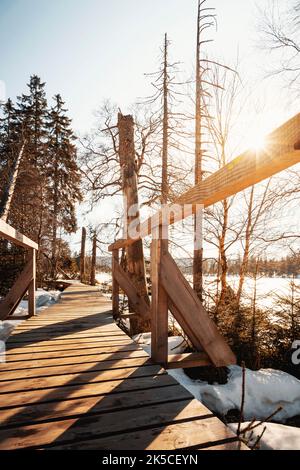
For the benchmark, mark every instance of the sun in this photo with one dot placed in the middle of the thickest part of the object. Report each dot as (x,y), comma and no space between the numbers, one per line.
(256,140)
(258,143)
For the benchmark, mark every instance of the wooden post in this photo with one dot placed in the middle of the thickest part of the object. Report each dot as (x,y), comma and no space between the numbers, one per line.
(82,255)
(135,255)
(115,285)
(94,259)
(32,286)
(159,304)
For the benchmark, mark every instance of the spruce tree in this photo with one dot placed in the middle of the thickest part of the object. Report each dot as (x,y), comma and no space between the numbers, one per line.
(63,176)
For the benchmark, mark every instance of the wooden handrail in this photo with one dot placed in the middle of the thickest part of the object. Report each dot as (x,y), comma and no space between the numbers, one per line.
(11,234)
(241,173)
(26,281)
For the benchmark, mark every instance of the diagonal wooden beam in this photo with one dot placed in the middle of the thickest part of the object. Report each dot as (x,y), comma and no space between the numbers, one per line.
(138,303)
(191,312)
(17,292)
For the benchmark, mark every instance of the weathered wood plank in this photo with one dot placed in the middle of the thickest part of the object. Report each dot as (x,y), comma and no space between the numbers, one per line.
(91,405)
(138,303)
(9,233)
(81,368)
(115,285)
(81,359)
(179,361)
(22,356)
(68,393)
(173,436)
(17,292)
(194,314)
(159,305)
(32,285)
(78,379)
(69,430)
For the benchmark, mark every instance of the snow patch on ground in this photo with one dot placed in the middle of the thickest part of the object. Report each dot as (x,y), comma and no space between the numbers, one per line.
(103,277)
(275,437)
(176,344)
(266,389)
(43,300)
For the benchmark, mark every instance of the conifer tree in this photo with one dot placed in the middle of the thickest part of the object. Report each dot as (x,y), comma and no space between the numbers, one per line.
(63,176)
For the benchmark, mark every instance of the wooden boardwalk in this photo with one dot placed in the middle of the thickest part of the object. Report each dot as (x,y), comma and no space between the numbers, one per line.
(74,380)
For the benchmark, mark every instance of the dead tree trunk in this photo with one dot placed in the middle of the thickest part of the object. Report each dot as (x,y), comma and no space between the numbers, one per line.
(10,188)
(82,255)
(93,265)
(198,251)
(134,252)
(164,174)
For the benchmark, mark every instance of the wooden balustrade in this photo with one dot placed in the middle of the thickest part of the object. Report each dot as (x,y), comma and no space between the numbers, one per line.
(170,290)
(26,280)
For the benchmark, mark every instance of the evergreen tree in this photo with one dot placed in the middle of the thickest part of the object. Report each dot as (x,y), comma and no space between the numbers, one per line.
(63,176)
(29,211)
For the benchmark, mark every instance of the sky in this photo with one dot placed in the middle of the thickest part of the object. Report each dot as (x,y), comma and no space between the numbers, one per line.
(91,50)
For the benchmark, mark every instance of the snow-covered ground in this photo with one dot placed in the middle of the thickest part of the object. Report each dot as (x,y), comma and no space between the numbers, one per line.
(276,436)
(266,390)
(43,300)
(103,277)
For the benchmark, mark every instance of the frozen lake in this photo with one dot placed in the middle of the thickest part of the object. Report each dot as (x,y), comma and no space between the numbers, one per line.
(267,287)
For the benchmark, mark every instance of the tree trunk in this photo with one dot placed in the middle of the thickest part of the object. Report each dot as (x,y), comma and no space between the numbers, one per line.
(82,255)
(223,257)
(134,252)
(164,174)
(198,252)
(244,265)
(10,188)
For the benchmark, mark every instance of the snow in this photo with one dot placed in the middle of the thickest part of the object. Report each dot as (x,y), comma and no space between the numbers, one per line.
(176,344)
(103,277)
(275,437)
(43,300)
(267,288)
(265,391)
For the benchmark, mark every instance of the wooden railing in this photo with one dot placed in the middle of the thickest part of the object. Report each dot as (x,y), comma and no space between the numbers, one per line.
(26,280)
(170,290)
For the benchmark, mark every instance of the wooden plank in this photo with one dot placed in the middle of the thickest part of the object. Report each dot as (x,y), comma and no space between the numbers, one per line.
(80,368)
(68,430)
(91,405)
(115,285)
(9,233)
(58,342)
(81,359)
(24,356)
(179,361)
(78,379)
(138,303)
(244,171)
(36,348)
(68,392)
(174,436)
(194,314)
(17,292)
(159,305)
(32,286)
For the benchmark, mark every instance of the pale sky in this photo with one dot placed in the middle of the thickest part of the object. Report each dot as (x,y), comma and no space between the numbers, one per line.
(91,50)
